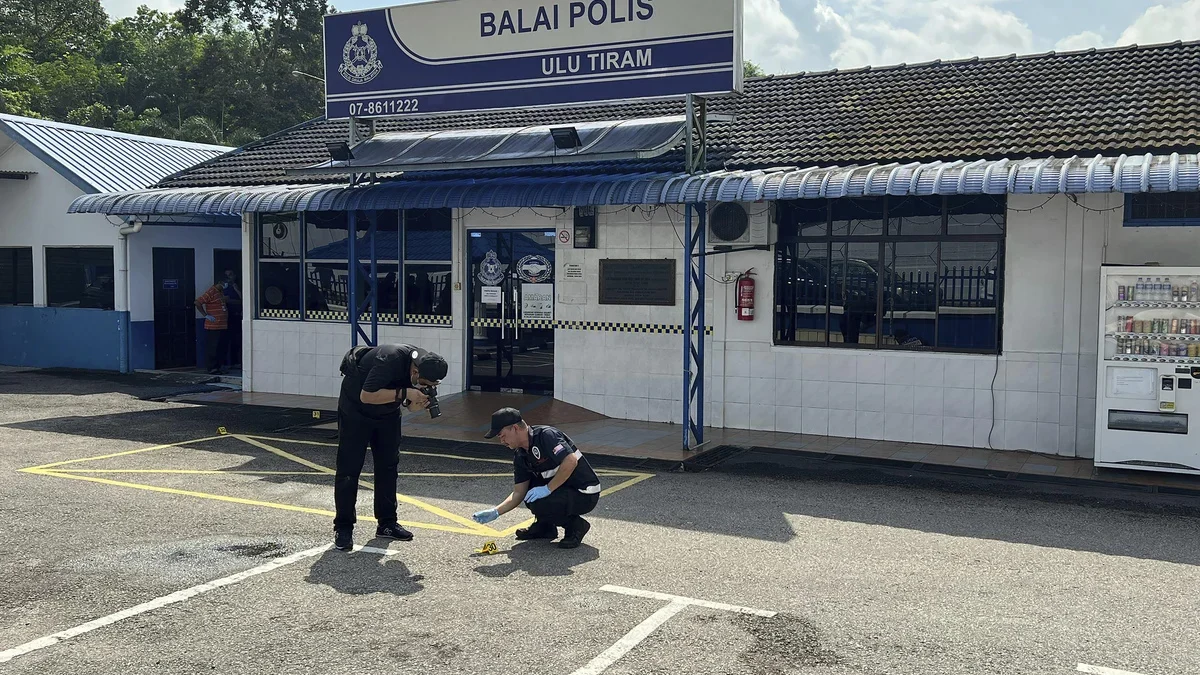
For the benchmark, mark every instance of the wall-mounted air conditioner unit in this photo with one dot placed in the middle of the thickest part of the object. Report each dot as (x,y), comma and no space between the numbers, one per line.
(731,226)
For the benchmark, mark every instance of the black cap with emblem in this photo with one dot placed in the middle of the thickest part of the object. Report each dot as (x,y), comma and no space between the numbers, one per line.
(503,417)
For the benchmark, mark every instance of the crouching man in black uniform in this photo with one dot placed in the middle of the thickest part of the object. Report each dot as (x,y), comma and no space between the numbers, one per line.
(551,476)
(376,383)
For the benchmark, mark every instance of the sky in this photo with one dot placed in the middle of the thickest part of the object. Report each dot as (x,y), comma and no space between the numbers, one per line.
(789,36)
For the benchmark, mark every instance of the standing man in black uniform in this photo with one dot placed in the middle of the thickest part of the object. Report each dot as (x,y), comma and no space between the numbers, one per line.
(376,383)
(551,476)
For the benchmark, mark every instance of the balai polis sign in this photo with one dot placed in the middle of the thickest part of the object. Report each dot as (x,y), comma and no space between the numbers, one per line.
(458,55)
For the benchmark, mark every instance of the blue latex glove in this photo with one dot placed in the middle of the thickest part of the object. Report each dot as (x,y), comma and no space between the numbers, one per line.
(537,493)
(486,516)
(210,318)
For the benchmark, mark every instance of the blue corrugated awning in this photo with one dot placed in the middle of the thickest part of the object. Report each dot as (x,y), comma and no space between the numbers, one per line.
(1125,174)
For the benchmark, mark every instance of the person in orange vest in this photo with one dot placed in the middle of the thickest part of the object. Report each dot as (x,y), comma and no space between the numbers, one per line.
(216,325)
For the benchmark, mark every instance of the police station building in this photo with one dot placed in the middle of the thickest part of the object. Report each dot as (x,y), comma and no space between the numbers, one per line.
(924,244)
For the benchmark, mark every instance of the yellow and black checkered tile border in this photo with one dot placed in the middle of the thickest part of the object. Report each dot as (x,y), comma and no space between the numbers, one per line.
(428,320)
(602,326)
(279,314)
(619,327)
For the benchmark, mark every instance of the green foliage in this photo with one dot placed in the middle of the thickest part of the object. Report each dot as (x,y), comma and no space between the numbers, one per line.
(218,71)
(752,69)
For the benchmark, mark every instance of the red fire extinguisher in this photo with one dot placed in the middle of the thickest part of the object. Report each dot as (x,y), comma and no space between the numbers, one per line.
(745,296)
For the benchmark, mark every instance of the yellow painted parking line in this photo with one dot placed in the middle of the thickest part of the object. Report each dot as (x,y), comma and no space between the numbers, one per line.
(410,453)
(122,454)
(425,506)
(196,472)
(237,500)
(236,472)
(603,493)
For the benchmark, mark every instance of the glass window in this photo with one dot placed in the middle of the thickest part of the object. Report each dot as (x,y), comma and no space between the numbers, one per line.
(327,289)
(910,294)
(80,277)
(279,236)
(279,287)
(855,276)
(908,216)
(932,279)
(857,217)
(16,276)
(1164,207)
(975,214)
(326,234)
(968,306)
(428,249)
(802,292)
(803,218)
(279,290)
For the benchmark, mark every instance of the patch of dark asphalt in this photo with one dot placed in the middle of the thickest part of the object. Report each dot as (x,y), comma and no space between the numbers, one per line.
(268,549)
(782,643)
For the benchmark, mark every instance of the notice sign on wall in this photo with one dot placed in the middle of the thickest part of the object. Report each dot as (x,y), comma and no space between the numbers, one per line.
(492,295)
(572,271)
(537,302)
(637,282)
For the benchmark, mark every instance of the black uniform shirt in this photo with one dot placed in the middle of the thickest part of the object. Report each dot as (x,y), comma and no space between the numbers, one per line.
(382,367)
(539,463)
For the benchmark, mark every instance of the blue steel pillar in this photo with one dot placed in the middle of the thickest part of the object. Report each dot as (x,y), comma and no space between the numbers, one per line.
(693,327)
(354,268)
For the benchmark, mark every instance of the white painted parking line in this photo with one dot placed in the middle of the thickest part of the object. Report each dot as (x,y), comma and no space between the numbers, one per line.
(631,639)
(675,605)
(1100,670)
(687,601)
(176,597)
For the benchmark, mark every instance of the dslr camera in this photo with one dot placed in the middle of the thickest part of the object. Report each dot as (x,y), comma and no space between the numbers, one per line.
(435,408)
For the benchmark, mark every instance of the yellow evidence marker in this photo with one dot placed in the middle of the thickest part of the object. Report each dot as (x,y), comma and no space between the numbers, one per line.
(488,549)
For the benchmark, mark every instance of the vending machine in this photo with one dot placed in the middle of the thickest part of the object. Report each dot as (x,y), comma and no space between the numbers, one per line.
(1148,388)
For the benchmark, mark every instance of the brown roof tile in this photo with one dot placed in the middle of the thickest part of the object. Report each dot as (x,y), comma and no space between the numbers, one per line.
(1123,100)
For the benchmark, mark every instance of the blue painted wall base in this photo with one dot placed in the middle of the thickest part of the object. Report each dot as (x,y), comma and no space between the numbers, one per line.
(141,347)
(60,337)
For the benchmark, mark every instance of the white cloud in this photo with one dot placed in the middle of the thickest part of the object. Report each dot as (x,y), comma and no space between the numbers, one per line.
(867,32)
(119,9)
(1084,40)
(771,39)
(1162,23)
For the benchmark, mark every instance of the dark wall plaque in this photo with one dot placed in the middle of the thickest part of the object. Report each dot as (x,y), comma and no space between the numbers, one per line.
(637,282)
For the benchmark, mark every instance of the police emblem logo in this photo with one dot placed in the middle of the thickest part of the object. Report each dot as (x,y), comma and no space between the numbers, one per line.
(534,269)
(491,272)
(360,57)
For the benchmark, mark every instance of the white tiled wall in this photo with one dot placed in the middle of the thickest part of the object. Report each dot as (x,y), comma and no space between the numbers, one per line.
(635,376)
(295,357)
(1039,395)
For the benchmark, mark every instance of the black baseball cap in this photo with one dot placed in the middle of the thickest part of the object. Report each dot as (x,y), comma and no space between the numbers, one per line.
(504,417)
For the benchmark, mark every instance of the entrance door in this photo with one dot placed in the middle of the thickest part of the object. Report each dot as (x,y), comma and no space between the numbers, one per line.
(174,308)
(511,284)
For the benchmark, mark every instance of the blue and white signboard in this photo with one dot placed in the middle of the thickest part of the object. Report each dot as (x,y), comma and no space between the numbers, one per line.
(458,55)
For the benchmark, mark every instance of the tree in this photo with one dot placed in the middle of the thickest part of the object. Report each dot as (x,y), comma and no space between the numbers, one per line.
(52,28)
(752,69)
(18,81)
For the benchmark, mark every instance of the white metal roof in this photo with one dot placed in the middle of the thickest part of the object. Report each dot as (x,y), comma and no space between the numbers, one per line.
(96,160)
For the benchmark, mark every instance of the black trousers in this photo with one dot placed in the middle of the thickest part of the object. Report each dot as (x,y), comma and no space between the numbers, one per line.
(563,508)
(216,345)
(355,432)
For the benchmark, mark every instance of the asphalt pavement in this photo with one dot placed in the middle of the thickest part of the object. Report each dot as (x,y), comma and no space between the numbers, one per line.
(197,540)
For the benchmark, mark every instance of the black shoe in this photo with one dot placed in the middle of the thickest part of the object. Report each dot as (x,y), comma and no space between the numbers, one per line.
(393,531)
(537,531)
(343,540)
(574,537)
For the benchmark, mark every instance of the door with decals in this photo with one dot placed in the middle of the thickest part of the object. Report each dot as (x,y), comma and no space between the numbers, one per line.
(511,310)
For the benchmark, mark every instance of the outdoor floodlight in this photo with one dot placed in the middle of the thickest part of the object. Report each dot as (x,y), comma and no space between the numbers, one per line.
(339,151)
(565,138)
